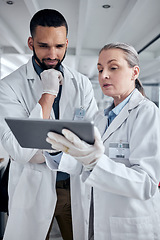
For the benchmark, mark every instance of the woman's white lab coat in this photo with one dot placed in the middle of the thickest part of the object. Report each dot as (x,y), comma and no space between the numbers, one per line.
(32,194)
(125,189)
(125,179)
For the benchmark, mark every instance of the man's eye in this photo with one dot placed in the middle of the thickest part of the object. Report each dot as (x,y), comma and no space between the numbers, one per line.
(60,46)
(100,70)
(114,68)
(43,46)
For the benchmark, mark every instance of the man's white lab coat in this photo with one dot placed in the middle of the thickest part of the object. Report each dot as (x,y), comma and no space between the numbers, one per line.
(32,193)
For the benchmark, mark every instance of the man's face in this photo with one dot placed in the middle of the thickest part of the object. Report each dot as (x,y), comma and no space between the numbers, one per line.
(49,46)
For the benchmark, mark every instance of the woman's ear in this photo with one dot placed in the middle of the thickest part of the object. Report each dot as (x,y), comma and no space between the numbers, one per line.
(136,71)
(30,43)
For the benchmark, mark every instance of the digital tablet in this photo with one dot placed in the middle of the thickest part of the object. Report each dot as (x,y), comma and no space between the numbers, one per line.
(32,133)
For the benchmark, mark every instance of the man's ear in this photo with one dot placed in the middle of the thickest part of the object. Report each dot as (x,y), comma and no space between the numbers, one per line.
(66,42)
(30,43)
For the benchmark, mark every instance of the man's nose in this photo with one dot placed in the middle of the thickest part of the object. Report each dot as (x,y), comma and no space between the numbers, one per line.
(52,53)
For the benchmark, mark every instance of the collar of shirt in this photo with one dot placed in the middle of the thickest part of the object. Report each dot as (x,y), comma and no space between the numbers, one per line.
(38,69)
(116,110)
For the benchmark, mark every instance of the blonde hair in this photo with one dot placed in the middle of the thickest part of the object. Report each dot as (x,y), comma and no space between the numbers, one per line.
(131,56)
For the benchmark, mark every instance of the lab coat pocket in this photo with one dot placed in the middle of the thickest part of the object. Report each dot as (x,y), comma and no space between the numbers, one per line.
(131,228)
(27,189)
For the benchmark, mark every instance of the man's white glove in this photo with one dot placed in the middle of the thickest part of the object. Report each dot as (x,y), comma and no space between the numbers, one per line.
(71,144)
(51,79)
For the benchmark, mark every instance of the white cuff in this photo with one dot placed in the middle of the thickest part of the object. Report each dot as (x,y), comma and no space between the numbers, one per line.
(90,166)
(50,162)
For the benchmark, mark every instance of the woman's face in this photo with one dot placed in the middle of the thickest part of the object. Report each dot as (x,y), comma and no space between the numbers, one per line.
(116,78)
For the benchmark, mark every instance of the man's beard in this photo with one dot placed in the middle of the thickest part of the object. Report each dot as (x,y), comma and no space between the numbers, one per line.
(43,65)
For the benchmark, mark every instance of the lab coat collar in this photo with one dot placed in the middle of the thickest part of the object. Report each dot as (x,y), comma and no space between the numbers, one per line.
(31,73)
(135,100)
(36,85)
(68,84)
(34,81)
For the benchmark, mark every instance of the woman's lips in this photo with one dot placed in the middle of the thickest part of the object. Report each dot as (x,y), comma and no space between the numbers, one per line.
(106,85)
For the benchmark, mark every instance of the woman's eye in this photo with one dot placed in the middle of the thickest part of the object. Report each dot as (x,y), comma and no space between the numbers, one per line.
(114,68)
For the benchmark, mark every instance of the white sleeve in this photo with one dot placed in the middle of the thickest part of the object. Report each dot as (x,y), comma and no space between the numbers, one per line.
(66,164)
(11,107)
(140,180)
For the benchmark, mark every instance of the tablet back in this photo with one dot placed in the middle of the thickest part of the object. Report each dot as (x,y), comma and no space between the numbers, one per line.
(32,133)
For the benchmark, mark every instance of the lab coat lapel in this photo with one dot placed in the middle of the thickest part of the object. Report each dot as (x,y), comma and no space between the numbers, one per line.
(34,81)
(116,123)
(67,87)
(134,101)
(101,122)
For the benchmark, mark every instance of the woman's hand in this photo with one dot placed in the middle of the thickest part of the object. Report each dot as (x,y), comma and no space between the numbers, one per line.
(73,145)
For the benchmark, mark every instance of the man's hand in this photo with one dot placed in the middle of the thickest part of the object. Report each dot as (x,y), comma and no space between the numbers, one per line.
(51,79)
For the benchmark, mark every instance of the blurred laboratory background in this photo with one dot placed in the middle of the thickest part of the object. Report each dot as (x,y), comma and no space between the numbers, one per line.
(92,24)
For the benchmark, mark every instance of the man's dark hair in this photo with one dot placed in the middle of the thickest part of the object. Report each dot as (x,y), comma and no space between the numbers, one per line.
(47,18)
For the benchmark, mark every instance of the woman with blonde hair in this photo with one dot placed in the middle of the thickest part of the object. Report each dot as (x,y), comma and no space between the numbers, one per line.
(123,166)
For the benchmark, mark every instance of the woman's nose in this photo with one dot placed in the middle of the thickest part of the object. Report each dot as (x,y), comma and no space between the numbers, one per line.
(105,74)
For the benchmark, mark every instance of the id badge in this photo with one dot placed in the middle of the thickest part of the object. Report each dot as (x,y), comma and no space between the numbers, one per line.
(79,114)
(119,150)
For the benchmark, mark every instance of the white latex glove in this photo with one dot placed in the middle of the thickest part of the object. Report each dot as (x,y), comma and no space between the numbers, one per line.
(51,79)
(71,144)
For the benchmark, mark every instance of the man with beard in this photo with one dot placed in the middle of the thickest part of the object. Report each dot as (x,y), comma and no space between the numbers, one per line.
(44,88)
